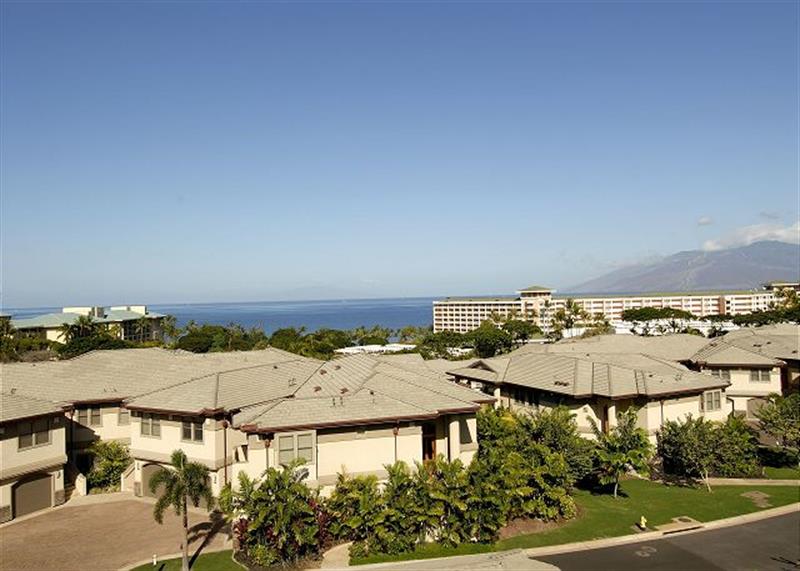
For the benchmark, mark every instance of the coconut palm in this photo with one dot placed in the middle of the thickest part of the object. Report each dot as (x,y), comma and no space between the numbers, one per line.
(181,482)
(83,326)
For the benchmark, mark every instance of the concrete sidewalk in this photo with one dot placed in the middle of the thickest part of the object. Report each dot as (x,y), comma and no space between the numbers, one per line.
(751,482)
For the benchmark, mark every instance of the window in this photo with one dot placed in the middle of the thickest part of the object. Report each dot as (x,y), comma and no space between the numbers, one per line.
(192,431)
(124,416)
(151,425)
(760,376)
(90,416)
(305,448)
(34,433)
(722,373)
(711,401)
(292,446)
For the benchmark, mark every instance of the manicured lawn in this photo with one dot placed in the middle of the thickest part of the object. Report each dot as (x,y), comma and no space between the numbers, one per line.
(603,516)
(785,473)
(217,561)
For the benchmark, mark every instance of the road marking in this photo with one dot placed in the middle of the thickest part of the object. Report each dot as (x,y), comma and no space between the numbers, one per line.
(646,551)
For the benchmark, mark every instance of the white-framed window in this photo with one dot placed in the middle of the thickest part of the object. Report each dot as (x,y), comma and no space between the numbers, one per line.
(721,373)
(297,445)
(711,401)
(760,375)
(33,433)
(151,425)
(192,430)
(123,417)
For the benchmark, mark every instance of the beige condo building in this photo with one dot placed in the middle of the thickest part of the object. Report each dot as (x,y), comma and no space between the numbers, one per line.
(538,303)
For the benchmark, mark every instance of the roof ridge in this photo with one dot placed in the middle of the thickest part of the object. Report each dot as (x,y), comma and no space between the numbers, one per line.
(308,378)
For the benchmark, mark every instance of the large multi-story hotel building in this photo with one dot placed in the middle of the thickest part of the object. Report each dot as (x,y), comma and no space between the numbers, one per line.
(538,303)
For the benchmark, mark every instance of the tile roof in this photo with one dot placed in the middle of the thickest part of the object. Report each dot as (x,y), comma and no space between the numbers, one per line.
(586,375)
(780,341)
(675,347)
(18,407)
(119,374)
(51,320)
(265,390)
(718,352)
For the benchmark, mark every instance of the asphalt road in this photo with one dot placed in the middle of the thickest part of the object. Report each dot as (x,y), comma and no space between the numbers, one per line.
(769,544)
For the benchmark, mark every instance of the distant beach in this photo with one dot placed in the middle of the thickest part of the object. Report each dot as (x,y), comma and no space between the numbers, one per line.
(271,315)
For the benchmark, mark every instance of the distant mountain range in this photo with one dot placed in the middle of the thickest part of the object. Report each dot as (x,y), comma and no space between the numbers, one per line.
(745,267)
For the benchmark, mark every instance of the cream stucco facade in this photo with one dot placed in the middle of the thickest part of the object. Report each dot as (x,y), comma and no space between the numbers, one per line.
(26,456)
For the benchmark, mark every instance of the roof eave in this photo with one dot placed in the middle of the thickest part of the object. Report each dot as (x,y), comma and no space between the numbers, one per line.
(254,427)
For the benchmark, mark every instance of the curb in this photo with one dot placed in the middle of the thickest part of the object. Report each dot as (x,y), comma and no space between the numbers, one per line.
(656,535)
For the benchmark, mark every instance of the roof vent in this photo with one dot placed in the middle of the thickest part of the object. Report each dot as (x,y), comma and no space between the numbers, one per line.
(337,367)
(322,372)
(292,382)
(317,389)
(274,366)
(344,390)
(333,400)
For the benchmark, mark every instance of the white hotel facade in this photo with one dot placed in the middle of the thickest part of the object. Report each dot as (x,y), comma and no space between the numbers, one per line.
(538,303)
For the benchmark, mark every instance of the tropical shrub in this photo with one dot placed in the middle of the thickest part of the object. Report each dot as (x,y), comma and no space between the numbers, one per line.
(557,429)
(277,519)
(780,418)
(109,460)
(698,448)
(687,448)
(736,449)
(358,514)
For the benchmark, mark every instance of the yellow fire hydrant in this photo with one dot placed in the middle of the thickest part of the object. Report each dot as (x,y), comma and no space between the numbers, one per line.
(643,523)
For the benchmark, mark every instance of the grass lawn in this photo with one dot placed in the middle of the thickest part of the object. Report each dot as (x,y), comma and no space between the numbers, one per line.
(603,516)
(785,473)
(217,561)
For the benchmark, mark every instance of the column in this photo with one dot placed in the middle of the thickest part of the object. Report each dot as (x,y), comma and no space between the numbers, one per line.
(454,438)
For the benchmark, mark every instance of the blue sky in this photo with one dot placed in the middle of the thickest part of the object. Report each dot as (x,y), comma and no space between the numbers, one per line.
(164,152)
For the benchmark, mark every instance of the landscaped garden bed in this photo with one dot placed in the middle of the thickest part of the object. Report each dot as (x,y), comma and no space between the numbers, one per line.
(601,515)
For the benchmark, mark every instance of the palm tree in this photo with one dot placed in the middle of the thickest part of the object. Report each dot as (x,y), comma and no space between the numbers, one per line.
(626,447)
(83,326)
(142,327)
(182,481)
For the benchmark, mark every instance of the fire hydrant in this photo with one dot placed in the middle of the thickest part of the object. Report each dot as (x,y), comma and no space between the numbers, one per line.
(643,523)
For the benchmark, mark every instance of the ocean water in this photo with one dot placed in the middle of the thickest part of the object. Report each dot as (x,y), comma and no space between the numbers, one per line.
(271,315)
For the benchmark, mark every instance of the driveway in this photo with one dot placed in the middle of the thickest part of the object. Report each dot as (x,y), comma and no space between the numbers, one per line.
(100,536)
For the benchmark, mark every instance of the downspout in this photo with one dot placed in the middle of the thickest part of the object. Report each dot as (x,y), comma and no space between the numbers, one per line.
(225,452)
(395,431)
(661,402)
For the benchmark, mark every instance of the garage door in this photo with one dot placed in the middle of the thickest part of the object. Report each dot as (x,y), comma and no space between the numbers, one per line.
(33,494)
(147,472)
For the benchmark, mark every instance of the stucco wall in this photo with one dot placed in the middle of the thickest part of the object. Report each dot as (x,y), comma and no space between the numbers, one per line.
(109,428)
(741,385)
(16,461)
(17,464)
